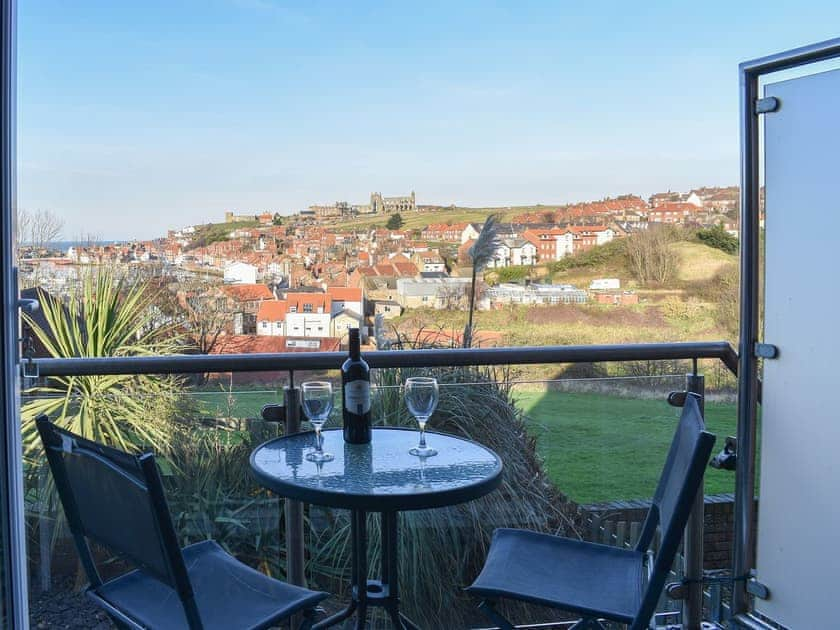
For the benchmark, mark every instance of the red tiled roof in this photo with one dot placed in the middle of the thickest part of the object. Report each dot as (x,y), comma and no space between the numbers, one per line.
(406,269)
(427,337)
(248,292)
(345,294)
(272,310)
(317,300)
(260,344)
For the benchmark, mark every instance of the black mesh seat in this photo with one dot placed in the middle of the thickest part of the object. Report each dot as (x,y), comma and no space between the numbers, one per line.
(228,593)
(589,579)
(594,580)
(117,500)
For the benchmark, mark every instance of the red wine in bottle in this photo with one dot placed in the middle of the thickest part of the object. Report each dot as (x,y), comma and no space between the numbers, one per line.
(355,394)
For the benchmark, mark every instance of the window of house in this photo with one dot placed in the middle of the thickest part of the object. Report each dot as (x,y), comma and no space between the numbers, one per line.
(307,308)
(293,309)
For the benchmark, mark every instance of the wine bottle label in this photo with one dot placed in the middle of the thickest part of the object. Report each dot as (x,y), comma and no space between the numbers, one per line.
(357,397)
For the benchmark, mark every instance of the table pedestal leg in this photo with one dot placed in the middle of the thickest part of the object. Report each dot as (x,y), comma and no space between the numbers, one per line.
(383,593)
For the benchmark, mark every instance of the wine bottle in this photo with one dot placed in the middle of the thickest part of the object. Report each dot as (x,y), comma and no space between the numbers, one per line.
(355,394)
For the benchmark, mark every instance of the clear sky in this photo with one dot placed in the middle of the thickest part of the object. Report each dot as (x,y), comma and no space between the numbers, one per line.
(135,117)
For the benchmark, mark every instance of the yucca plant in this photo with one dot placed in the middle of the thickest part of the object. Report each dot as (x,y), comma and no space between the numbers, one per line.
(106,316)
(481,253)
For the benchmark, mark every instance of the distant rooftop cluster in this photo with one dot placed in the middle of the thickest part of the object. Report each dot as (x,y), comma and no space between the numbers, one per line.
(316,274)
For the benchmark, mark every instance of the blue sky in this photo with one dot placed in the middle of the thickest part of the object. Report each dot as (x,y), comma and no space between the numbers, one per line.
(135,117)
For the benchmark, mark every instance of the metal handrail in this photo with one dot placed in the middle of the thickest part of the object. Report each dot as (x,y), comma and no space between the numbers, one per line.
(438,357)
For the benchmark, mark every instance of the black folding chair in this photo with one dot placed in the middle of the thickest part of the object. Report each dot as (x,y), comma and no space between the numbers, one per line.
(599,581)
(117,500)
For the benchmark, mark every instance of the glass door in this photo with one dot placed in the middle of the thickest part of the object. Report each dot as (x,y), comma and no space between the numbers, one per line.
(13,584)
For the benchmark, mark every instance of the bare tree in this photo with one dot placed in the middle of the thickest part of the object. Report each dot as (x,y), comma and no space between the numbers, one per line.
(38,228)
(208,317)
(198,310)
(650,255)
(451,297)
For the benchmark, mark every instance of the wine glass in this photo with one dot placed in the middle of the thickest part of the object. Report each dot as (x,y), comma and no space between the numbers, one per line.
(421,398)
(318,403)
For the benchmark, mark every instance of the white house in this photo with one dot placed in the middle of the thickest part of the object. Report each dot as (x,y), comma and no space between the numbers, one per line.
(469,233)
(240,273)
(271,318)
(501,257)
(604,236)
(429,262)
(308,315)
(308,324)
(346,298)
(565,245)
(694,200)
(511,251)
(523,252)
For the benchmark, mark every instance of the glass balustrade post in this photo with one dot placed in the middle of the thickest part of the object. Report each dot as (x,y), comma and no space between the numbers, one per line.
(693,545)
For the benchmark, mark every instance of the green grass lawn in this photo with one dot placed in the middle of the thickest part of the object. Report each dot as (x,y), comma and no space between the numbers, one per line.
(595,447)
(601,448)
(242,403)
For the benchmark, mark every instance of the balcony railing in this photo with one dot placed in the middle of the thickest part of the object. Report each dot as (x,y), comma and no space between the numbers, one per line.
(261,515)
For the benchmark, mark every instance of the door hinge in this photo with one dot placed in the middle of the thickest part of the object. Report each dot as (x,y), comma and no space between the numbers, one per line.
(766,351)
(767,105)
(756,588)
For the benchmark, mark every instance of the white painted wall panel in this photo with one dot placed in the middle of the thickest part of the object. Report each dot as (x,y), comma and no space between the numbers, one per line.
(798,555)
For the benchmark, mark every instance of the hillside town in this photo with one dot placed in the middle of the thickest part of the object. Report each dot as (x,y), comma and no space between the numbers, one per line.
(273,283)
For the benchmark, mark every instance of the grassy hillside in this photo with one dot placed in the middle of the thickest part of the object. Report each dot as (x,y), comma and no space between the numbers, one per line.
(690,308)
(214,232)
(451,214)
(699,262)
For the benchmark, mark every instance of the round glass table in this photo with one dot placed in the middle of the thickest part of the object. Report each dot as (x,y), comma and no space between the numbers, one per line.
(378,477)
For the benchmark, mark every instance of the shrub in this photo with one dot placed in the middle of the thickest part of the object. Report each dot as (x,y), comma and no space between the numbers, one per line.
(512,274)
(211,493)
(595,257)
(395,222)
(718,238)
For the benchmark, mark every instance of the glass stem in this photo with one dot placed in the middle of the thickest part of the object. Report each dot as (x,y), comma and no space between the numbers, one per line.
(422,423)
(318,439)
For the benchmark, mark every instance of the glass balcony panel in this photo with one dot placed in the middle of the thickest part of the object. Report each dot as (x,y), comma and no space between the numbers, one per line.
(583,447)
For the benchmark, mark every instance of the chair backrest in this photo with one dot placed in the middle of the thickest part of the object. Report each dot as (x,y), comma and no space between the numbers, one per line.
(117,500)
(678,486)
